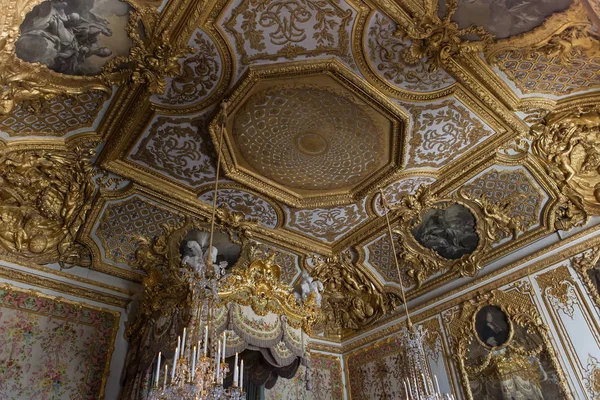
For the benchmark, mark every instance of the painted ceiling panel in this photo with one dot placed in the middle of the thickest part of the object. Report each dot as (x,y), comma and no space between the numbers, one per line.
(123,220)
(327,224)
(441,131)
(245,202)
(178,147)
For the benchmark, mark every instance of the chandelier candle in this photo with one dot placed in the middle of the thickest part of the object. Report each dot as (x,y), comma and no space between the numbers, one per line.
(235,370)
(194,363)
(157,369)
(205,340)
(224,344)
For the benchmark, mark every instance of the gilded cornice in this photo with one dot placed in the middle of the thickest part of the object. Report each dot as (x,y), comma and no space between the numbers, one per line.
(15,275)
(66,275)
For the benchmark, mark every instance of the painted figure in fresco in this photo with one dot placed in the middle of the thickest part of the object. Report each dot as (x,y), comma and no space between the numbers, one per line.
(62,34)
(505,18)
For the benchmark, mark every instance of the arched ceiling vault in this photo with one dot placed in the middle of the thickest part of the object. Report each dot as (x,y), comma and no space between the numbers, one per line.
(328,102)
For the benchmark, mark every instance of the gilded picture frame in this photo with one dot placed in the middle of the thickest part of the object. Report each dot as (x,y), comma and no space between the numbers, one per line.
(490,222)
(526,353)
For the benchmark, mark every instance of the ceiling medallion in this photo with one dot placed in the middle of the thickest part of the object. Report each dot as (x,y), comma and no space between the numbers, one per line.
(310,134)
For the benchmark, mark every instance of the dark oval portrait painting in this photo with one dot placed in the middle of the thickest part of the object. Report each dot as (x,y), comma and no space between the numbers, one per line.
(450,231)
(74,37)
(492,326)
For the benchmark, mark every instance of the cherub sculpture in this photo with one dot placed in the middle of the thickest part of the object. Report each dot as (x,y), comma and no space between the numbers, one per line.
(307,286)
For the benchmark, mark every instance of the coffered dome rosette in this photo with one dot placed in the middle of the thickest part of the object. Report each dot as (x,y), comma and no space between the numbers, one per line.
(310,135)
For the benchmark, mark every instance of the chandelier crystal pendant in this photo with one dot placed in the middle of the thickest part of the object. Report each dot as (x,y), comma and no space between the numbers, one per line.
(195,375)
(418,382)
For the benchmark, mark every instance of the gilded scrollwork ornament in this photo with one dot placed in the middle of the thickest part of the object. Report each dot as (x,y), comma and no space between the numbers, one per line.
(154,57)
(439,40)
(259,286)
(45,196)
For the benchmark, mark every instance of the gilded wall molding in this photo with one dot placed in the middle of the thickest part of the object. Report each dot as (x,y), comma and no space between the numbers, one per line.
(592,376)
(584,264)
(558,286)
(15,275)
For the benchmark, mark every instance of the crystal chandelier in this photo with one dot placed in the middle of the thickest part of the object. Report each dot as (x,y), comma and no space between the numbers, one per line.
(196,375)
(418,383)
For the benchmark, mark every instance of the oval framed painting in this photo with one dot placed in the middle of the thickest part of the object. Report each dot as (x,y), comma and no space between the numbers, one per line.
(448,229)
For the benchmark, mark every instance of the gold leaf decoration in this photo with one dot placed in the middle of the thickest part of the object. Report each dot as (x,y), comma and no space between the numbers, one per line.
(45,197)
(150,61)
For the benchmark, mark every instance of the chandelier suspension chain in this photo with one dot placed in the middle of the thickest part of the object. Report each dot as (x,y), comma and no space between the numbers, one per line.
(387,209)
(215,195)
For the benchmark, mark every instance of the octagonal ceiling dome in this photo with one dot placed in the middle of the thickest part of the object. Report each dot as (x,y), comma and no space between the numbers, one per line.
(310,135)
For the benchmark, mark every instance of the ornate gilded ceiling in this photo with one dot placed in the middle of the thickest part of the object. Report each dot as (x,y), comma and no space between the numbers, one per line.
(488,103)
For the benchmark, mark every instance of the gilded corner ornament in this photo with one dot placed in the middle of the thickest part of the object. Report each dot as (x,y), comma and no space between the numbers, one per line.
(351,301)
(566,144)
(46,195)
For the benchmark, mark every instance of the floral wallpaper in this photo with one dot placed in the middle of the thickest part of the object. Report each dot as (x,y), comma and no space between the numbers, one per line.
(375,371)
(54,349)
(326,381)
